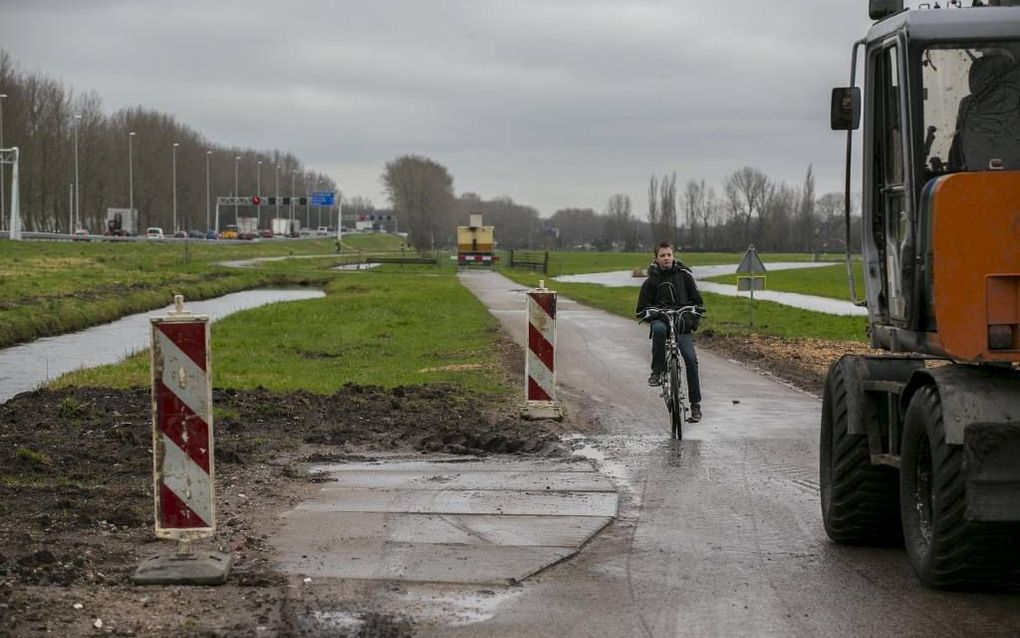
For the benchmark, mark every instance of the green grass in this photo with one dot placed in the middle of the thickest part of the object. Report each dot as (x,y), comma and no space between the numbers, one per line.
(726,315)
(49,288)
(371,328)
(573,262)
(824,281)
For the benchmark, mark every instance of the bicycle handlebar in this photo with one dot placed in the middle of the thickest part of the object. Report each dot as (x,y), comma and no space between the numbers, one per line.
(652,312)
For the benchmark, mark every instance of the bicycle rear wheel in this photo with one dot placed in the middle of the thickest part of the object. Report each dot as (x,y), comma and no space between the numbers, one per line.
(676,407)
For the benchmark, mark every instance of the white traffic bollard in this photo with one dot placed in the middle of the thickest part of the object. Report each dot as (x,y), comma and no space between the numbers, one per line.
(540,365)
(182,449)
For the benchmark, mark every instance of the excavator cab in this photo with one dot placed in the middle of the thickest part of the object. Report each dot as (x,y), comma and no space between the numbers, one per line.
(941,174)
(921,446)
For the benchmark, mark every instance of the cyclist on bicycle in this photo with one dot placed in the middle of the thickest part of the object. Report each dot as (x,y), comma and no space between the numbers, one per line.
(670,284)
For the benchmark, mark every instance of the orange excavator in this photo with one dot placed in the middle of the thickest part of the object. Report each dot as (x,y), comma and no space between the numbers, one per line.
(920,446)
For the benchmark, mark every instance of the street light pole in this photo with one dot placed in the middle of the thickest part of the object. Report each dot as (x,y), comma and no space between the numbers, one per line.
(237,158)
(208,197)
(293,173)
(3,199)
(258,193)
(277,167)
(77,187)
(175,185)
(131,173)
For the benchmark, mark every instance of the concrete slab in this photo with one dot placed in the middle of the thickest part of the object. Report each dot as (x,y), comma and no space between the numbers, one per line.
(426,562)
(495,520)
(304,528)
(470,480)
(507,502)
(459,463)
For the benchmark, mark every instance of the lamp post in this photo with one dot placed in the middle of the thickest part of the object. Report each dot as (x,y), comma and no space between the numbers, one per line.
(175,185)
(237,158)
(293,174)
(208,196)
(3,200)
(258,193)
(277,167)
(77,187)
(131,173)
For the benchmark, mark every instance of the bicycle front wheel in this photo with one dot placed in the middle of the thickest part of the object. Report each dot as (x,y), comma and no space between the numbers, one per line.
(676,407)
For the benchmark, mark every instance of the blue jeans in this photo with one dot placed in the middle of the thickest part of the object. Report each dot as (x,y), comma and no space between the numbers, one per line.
(686,343)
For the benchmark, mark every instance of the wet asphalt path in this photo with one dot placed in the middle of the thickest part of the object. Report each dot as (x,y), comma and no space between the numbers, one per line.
(718,535)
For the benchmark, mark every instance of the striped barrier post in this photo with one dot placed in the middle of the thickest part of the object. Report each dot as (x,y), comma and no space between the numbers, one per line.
(182,450)
(540,365)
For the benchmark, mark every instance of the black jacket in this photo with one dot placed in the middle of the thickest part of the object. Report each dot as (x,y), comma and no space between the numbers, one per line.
(671,288)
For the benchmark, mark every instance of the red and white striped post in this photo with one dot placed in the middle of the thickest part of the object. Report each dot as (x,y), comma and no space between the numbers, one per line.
(182,450)
(540,365)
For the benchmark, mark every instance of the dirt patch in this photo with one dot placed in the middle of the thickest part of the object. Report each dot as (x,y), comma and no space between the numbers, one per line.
(800,362)
(76,504)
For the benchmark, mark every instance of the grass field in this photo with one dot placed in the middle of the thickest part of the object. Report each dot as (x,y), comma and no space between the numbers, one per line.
(49,288)
(824,281)
(726,315)
(371,328)
(394,325)
(572,263)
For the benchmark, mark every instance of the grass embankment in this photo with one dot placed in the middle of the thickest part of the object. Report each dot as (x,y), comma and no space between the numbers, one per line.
(372,328)
(823,281)
(49,288)
(573,263)
(726,315)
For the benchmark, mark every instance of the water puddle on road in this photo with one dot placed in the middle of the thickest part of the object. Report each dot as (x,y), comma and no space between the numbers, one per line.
(32,364)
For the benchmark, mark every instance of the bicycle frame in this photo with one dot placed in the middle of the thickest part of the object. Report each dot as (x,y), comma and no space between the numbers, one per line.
(672,387)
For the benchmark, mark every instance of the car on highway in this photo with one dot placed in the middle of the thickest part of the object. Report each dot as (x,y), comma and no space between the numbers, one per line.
(322,230)
(80,234)
(230,232)
(211,234)
(154,232)
(265,233)
(180,235)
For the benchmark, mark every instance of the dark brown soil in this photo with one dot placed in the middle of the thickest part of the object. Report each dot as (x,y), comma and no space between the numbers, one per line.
(76,505)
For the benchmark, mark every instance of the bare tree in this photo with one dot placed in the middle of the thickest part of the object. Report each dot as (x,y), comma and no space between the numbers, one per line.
(807,226)
(748,190)
(421,192)
(620,223)
(667,208)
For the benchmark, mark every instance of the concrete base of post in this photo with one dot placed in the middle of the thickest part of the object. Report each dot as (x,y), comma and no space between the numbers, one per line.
(174,568)
(536,410)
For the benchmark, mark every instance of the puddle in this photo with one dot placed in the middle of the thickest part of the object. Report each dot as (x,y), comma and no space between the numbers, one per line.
(27,366)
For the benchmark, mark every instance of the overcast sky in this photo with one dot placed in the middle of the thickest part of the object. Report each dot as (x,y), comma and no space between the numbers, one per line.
(555,103)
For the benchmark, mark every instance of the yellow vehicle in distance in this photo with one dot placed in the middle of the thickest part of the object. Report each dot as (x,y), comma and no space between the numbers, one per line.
(230,232)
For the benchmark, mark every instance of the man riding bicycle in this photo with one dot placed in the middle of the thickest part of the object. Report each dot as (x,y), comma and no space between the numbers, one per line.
(670,284)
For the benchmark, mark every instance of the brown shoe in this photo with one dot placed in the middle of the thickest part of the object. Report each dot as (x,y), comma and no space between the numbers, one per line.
(695,413)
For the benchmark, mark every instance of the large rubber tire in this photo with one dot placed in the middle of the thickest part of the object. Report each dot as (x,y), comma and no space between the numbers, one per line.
(946,550)
(860,501)
(676,410)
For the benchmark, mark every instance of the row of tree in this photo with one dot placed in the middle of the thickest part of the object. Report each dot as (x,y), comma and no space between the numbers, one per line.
(56,130)
(753,208)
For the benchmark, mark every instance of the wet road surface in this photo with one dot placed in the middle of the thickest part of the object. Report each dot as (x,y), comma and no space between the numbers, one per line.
(720,534)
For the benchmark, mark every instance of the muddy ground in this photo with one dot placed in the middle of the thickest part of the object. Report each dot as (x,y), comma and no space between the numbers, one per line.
(76,504)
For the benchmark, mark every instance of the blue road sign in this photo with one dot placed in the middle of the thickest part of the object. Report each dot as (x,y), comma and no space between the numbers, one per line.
(325,198)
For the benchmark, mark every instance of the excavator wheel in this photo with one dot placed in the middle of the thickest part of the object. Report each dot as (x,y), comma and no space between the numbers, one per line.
(946,550)
(860,501)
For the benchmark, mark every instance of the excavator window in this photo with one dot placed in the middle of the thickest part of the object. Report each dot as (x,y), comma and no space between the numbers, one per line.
(971,107)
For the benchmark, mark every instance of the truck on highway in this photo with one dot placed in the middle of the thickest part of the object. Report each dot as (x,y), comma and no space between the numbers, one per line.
(121,222)
(920,446)
(283,227)
(247,227)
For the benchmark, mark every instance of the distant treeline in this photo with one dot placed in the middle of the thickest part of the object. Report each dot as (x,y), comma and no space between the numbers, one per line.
(42,118)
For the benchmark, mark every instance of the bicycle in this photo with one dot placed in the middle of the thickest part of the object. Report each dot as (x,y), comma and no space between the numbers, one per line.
(672,387)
